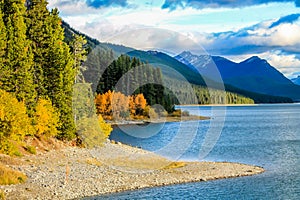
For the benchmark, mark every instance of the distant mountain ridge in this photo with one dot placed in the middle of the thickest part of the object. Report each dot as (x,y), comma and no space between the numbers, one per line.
(190,73)
(253,74)
(164,61)
(296,80)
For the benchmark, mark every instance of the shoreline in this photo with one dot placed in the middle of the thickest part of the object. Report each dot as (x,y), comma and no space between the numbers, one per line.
(159,120)
(224,105)
(73,172)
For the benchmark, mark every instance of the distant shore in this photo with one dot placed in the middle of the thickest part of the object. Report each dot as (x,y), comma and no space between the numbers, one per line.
(159,120)
(72,172)
(227,105)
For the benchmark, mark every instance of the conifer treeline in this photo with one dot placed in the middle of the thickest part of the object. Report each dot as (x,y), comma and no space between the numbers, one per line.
(35,62)
(131,76)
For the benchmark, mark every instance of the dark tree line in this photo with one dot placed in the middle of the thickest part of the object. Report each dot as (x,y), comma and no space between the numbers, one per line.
(130,76)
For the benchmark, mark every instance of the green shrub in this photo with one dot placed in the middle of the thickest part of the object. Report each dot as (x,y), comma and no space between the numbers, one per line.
(93,131)
(30,149)
(2,195)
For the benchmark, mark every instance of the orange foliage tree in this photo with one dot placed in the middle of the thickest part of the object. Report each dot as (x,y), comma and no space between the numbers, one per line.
(115,105)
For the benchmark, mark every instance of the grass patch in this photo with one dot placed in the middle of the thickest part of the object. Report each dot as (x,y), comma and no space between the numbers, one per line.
(30,149)
(93,161)
(175,165)
(9,176)
(2,195)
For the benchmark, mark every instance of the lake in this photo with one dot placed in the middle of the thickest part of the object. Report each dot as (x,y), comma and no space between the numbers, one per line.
(263,135)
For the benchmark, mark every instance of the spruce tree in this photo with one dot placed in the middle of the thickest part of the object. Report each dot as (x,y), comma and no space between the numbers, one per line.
(38,31)
(60,76)
(79,55)
(18,63)
(2,42)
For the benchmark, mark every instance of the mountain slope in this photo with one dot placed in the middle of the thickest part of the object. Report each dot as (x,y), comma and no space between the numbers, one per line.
(189,72)
(296,80)
(168,64)
(253,74)
(100,57)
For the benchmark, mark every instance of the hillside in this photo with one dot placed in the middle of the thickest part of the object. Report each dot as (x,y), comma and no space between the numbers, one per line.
(253,74)
(99,59)
(296,80)
(190,73)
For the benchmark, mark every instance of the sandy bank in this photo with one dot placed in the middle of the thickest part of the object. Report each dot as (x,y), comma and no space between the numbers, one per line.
(73,172)
(216,105)
(159,120)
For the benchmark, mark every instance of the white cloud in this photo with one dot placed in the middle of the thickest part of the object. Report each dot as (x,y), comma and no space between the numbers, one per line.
(149,27)
(73,8)
(286,64)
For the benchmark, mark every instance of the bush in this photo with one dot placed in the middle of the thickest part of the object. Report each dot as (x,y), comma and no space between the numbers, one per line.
(46,119)
(2,195)
(93,131)
(14,123)
(30,149)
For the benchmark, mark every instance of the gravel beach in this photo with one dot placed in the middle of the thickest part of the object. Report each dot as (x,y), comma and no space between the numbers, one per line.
(72,172)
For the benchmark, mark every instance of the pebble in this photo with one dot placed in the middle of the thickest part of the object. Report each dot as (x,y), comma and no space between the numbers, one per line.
(89,180)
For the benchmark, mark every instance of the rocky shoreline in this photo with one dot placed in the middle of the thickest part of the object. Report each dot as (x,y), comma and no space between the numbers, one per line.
(73,172)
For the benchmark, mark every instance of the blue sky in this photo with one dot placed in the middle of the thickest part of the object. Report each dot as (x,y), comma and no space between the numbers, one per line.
(236,29)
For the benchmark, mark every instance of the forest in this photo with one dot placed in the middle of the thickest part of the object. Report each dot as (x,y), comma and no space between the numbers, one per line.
(129,75)
(38,70)
(50,88)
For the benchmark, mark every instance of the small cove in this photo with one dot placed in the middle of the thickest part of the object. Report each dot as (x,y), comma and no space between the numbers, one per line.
(264,135)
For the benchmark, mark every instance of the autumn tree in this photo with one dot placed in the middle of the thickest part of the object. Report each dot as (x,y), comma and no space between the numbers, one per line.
(129,75)
(14,123)
(46,119)
(120,107)
(115,105)
(140,104)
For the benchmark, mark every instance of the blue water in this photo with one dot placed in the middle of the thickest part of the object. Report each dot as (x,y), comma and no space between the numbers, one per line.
(263,135)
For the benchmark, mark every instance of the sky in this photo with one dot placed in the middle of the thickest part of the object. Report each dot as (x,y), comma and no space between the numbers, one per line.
(235,29)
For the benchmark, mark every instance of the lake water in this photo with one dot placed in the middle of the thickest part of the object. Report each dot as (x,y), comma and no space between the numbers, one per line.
(263,135)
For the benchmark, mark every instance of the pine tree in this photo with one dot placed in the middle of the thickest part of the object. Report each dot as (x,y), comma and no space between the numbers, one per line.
(17,76)
(59,76)
(2,46)
(2,38)
(39,32)
(79,54)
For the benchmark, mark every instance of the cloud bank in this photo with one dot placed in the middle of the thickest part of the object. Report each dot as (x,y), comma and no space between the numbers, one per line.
(200,4)
(282,34)
(92,3)
(106,3)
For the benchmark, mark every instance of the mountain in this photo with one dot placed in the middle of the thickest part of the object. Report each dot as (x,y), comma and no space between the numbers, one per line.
(99,58)
(168,65)
(254,74)
(296,80)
